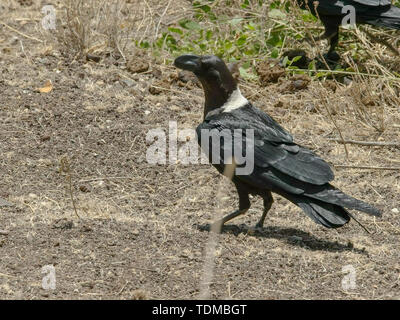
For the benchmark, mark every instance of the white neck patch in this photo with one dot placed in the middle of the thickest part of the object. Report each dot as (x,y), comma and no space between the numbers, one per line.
(235,101)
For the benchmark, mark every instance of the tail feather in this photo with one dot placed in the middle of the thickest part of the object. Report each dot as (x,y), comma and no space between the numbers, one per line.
(327,214)
(389,18)
(283,183)
(339,198)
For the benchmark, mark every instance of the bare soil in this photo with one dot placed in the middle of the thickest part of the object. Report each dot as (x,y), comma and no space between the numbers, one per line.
(142,229)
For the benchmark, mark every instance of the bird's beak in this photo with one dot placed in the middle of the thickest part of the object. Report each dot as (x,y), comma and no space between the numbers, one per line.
(189,62)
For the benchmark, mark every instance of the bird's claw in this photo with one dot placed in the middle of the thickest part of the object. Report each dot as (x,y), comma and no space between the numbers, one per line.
(259,226)
(332,56)
(253,230)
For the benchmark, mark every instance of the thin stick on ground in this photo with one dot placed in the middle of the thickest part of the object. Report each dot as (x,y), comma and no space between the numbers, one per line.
(367,143)
(365,167)
(65,168)
(19,32)
(359,223)
(335,124)
(215,230)
(382,41)
(106,178)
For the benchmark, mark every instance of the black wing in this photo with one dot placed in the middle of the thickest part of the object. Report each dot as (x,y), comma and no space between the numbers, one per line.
(334,8)
(372,3)
(273,145)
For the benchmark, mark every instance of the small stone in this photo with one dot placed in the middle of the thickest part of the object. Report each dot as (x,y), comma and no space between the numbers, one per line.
(84,188)
(137,66)
(296,238)
(45,137)
(63,224)
(92,57)
(128,82)
(5,203)
(86,228)
(88,284)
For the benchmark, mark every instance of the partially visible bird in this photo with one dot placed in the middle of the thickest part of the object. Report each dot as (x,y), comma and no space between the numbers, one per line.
(332,12)
(279,164)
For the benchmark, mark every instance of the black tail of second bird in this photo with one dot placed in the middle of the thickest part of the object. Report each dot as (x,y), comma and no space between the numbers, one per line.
(388,19)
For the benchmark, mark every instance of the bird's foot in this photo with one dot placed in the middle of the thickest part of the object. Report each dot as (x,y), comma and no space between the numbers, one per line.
(253,230)
(259,226)
(332,56)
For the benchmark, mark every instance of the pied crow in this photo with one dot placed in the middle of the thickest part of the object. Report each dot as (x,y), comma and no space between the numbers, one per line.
(278,164)
(332,12)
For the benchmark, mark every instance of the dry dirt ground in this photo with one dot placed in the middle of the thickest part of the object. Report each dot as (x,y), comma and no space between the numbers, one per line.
(142,230)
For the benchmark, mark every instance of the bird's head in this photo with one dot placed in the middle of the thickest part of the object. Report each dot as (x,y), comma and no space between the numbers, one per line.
(215,76)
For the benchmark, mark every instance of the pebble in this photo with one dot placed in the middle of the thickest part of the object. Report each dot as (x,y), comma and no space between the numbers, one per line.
(296,238)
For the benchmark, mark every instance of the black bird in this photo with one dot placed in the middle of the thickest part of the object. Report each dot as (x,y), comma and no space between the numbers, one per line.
(374,12)
(279,164)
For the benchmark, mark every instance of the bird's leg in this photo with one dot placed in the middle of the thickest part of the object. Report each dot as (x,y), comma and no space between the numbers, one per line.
(332,54)
(268,200)
(333,42)
(332,35)
(244,205)
(330,32)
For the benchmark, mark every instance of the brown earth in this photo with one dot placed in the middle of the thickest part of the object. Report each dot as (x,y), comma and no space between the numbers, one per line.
(142,229)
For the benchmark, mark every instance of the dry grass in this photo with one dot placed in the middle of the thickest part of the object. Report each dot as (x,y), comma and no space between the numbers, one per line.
(117,26)
(97,26)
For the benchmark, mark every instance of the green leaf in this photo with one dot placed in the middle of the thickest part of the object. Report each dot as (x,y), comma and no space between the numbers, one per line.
(242,40)
(144,45)
(277,14)
(311,65)
(228,45)
(246,74)
(285,61)
(274,53)
(250,26)
(203,7)
(245,4)
(235,21)
(189,24)
(246,65)
(176,30)
(296,58)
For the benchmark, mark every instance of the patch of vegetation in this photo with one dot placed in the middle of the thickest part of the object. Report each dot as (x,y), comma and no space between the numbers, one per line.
(236,30)
(251,30)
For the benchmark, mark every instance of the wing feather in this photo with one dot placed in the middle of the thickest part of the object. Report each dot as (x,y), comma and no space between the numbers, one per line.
(273,145)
